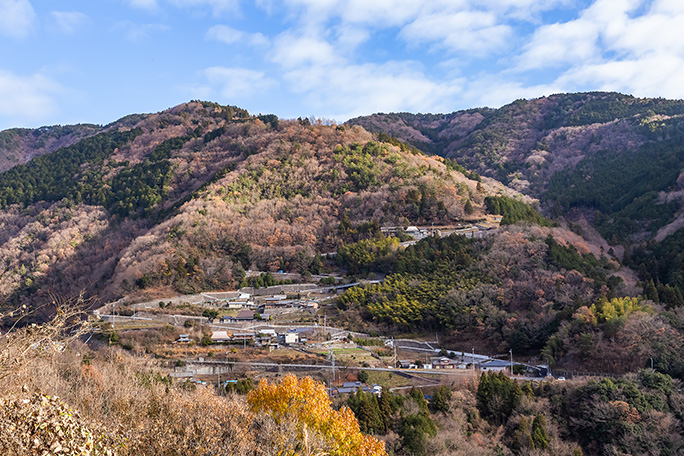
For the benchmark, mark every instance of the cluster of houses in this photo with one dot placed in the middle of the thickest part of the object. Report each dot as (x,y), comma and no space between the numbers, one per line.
(264,337)
(251,303)
(261,338)
(244,316)
(488,365)
(353,387)
(443,362)
(477,230)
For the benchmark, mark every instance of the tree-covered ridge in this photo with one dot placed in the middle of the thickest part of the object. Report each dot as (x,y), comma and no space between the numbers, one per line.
(169,159)
(624,188)
(602,107)
(19,145)
(352,168)
(533,296)
(41,137)
(635,414)
(215,191)
(660,267)
(76,173)
(296,191)
(297,170)
(512,290)
(524,143)
(52,177)
(513,211)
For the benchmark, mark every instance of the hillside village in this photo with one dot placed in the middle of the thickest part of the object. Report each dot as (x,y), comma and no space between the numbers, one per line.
(430,300)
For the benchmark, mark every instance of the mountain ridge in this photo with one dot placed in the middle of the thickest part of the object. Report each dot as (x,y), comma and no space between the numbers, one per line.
(512,143)
(210,191)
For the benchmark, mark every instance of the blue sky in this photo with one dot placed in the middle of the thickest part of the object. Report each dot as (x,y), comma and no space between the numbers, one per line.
(94,61)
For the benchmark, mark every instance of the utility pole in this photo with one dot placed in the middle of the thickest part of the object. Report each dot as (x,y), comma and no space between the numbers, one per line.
(332,358)
(511,352)
(473,362)
(394,346)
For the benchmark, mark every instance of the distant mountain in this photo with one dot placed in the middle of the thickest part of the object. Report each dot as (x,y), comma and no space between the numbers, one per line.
(19,145)
(526,142)
(187,199)
(612,159)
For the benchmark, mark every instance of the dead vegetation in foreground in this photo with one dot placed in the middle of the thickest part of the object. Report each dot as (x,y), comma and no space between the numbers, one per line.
(60,397)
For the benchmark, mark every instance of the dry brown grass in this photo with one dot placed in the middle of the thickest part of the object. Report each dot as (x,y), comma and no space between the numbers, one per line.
(58,394)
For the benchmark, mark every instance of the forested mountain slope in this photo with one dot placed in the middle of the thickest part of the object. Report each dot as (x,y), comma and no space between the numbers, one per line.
(610,160)
(524,143)
(19,145)
(189,198)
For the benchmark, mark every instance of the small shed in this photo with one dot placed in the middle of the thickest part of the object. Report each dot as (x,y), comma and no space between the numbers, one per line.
(290,338)
(245,315)
(219,337)
(183,339)
(495,365)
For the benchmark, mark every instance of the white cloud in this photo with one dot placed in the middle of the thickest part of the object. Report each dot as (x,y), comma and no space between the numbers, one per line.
(651,33)
(525,10)
(67,22)
(378,12)
(667,7)
(631,46)
(561,44)
(229,35)
(348,38)
(27,98)
(217,7)
(472,32)
(16,18)
(237,83)
(496,91)
(292,50)
(658,75)
(353,90)
(336,87)
(396,13)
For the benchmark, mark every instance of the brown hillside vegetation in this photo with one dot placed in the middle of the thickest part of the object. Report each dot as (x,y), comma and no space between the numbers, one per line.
(67,398)
(60,397)
(19,145)
(526,142)
(204,192)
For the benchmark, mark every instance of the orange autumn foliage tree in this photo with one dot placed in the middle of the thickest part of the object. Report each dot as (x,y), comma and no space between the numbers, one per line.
(305,404)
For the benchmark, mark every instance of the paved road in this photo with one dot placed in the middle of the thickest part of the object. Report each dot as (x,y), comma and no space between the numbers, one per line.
(228,364)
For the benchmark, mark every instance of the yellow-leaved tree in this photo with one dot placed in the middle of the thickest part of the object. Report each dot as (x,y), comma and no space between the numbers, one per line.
(305,404)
